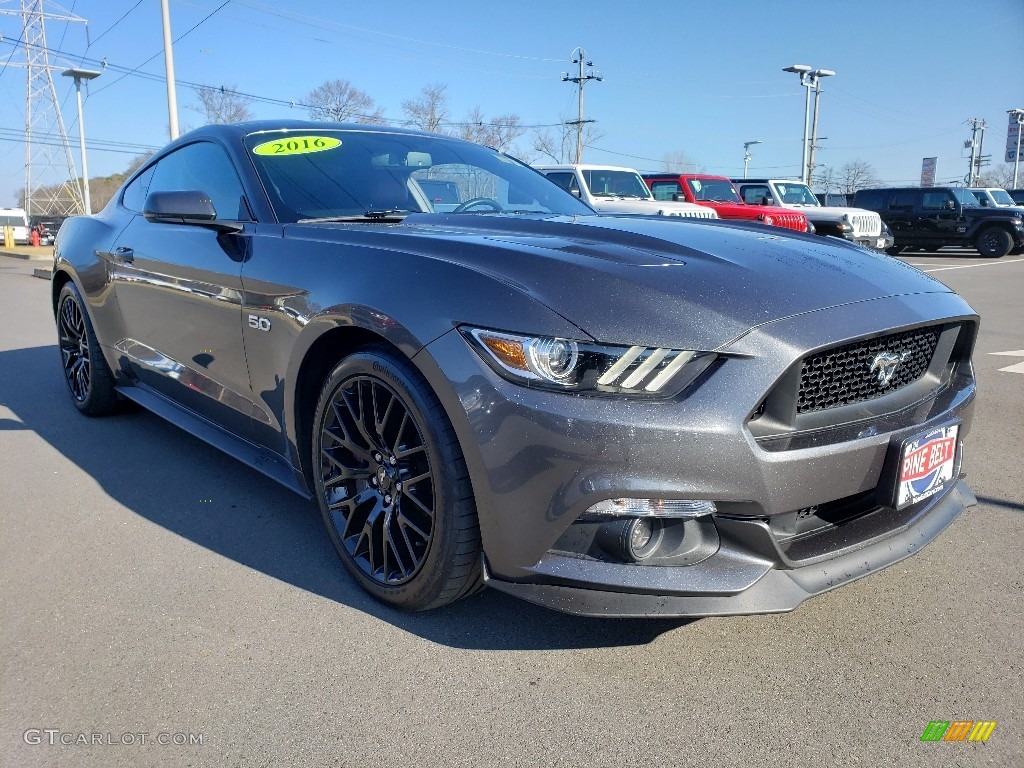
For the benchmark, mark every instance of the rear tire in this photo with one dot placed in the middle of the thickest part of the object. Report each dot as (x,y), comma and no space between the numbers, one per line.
(86,374)
(894,250)
(392,484)
(993,243)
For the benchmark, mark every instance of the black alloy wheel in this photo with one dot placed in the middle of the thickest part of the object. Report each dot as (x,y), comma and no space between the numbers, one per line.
(88,378)
(994,243)
(392,484)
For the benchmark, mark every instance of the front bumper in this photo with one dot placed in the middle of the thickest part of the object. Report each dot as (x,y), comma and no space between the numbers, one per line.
(539,460)
(880,242)
(743,582)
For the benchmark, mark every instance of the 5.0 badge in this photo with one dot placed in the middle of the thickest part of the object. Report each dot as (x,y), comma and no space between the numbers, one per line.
(259,323)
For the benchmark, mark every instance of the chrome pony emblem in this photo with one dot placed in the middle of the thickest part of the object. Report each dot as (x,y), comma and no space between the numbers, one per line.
(886,364)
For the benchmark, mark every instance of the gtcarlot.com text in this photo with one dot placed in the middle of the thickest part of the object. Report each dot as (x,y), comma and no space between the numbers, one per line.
(58,737)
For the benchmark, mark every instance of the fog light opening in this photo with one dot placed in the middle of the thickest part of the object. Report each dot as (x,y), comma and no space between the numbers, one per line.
(632,540)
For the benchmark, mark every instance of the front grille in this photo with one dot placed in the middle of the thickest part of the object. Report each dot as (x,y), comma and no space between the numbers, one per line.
(790,221)
(852,373)
(867,224)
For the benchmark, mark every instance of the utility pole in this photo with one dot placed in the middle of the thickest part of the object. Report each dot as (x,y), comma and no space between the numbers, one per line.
(578,57)
(977,126)
(52,187)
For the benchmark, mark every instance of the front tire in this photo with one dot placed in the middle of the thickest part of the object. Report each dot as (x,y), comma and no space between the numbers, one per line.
(86,374)
(392,484)
(993,243)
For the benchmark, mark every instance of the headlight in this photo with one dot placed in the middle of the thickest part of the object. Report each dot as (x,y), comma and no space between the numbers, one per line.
(765,218)
(576,366)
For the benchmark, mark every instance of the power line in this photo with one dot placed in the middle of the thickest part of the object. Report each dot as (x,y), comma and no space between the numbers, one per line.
(177,39)
(123,17)
(319,23)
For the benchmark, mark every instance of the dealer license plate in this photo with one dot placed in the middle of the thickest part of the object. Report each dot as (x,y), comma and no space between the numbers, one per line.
(927,463)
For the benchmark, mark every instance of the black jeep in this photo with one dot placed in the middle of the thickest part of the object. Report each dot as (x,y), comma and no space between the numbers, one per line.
(928,218)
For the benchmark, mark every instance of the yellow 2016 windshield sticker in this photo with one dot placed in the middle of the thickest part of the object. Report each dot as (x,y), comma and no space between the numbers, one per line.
(296,145)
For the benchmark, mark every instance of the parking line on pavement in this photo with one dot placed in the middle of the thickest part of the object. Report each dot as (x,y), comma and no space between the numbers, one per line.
(969,266)
(1018,367)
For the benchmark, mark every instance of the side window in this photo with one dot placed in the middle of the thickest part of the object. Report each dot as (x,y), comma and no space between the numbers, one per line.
(869,199)
(566,181)
(936,201)
(134,196)
(753,194)
(903,200)
(663,190)
(203,166)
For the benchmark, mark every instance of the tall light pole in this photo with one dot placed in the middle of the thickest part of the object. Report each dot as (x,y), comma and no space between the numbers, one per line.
(80,75)
(802,70)
(172,98)
(746,154)
(809,78)
(816,75)
(1019,114)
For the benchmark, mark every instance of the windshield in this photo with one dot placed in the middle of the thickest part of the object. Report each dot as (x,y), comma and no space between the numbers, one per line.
(713,191)
(612,183)
(965,197)
(325,173)
(791,193)
(1001,196)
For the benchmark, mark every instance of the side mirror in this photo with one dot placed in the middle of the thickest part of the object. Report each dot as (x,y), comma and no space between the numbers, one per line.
(190,207)
(575,193)
(951,205)
(678,197)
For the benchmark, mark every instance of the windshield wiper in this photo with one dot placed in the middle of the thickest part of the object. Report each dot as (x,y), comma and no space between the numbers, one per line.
(390,214)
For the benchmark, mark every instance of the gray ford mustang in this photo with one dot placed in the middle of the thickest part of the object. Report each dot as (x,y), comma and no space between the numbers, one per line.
(606,415)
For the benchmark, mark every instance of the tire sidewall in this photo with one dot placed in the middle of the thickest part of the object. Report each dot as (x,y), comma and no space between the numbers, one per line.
(91,402)
(428,583)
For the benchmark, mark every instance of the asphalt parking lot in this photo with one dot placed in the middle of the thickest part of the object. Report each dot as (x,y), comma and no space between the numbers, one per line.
(156,591)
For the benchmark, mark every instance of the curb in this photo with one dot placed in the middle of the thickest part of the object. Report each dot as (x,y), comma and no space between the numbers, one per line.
(45,274)
(28,256)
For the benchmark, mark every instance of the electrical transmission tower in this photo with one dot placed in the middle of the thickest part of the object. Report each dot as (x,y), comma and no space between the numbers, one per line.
(578,57)
(52,186)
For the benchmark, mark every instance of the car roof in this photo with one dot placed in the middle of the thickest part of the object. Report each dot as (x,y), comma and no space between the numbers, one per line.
(583,167)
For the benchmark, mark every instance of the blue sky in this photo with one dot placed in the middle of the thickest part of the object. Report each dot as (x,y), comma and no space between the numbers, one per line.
(679,76)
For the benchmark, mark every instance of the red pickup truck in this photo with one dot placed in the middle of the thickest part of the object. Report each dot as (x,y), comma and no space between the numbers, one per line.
(719,193)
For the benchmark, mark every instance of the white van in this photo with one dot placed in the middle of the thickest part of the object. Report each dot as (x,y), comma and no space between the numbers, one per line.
(17,219)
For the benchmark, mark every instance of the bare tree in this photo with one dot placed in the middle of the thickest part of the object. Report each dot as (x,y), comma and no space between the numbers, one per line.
(429,111)
(999,176)
(222,105)
(339,102)
(136,163)
(825,178)
(680,162)
(559,144)
(857,174)
(498,132)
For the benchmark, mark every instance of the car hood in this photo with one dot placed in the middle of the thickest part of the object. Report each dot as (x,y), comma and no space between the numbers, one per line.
(747,211)
(832,212)
(1004,212)
(648,207)
(693,284)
